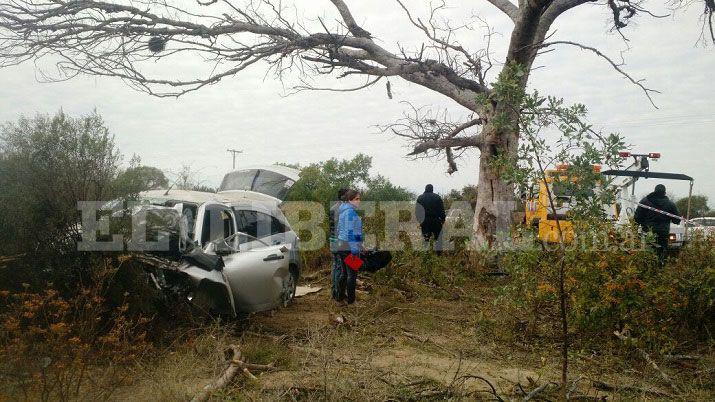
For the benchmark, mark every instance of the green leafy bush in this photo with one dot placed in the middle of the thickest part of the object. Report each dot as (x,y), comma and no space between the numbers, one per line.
(617,288)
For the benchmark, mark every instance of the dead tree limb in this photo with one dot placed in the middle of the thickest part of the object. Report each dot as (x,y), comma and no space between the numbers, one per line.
(648,359)
(235,366)
(682,357)
(493,390)
(537,391)
(603,386)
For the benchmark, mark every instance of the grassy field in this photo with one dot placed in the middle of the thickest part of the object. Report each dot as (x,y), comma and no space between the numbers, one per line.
(426,343)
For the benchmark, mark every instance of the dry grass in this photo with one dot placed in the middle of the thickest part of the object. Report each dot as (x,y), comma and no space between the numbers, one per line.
(396,345)
(411,336)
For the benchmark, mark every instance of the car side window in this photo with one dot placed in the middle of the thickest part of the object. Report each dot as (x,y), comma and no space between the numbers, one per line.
(247,222)
(258,224)
(217,224)
(277,226)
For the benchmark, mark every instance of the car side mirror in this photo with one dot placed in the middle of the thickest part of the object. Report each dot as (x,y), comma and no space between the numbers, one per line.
(223,248)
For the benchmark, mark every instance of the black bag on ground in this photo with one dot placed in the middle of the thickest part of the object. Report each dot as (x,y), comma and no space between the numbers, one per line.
(375,260)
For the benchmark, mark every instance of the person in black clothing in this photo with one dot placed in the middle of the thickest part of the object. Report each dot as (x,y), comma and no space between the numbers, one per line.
(658,223)
(430,213)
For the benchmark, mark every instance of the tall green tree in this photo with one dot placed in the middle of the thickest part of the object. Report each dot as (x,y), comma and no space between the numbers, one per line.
(698,206)
(321,181)
(138,177)
(48,164)
(468,193)
(379,188)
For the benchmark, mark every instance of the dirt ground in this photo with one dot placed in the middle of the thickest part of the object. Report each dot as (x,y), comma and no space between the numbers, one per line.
(392,346)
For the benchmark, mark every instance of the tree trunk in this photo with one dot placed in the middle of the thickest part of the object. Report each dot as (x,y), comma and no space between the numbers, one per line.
(495,196)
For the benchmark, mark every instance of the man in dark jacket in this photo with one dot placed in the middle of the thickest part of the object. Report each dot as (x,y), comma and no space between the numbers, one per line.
(656,222)
(430,213)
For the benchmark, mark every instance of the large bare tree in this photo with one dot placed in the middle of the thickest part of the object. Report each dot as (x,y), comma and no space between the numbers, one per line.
(126,39)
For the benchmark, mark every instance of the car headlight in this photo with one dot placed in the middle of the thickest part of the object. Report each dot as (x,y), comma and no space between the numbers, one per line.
(672,237)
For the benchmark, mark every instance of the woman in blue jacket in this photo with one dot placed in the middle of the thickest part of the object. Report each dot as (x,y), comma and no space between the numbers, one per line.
(349,242)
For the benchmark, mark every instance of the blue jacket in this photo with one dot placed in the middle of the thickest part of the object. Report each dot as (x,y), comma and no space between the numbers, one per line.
(350,227)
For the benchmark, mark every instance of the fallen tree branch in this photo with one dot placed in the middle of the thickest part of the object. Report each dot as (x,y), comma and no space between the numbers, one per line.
(413,336)
(536,391)
(478,377)
(648,359)
(248,373)
(682,357)
(573,386)
(602,386)
(235,366)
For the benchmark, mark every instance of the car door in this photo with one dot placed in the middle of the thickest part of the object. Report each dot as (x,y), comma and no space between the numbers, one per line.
(258,276)
(214,221)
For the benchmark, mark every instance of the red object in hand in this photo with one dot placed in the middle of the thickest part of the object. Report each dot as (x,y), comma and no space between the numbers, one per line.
(353,262)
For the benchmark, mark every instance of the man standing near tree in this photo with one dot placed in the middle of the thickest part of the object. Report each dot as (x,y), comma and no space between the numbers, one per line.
(657,222)
(430,213)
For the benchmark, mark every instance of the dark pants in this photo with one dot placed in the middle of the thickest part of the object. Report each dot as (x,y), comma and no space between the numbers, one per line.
(431,228)
(661,242)
(336,276)
(347,281)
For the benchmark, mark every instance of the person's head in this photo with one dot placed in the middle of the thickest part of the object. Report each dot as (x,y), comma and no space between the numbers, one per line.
(659,190)
(429,188)
(353,197)
(341,192)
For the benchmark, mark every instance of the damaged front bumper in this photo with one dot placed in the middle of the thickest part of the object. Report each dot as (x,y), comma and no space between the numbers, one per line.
(198,279)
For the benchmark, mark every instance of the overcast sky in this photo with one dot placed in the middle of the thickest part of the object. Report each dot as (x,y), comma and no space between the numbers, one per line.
(248,111)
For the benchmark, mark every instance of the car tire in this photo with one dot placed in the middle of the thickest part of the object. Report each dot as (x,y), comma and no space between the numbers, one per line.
(290,286)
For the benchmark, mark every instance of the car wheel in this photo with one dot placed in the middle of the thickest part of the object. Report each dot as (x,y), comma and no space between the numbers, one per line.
(289,286)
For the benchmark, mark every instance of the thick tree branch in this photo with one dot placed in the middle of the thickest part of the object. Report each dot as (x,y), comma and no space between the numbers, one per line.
(107,39)
(553,11)
(474,141)
(708,18)
(347,16)
(510,9)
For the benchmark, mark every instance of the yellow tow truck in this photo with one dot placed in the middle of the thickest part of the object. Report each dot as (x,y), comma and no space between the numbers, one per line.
(539,214)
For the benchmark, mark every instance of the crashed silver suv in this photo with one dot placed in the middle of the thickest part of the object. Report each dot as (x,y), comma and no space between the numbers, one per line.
(237,251)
